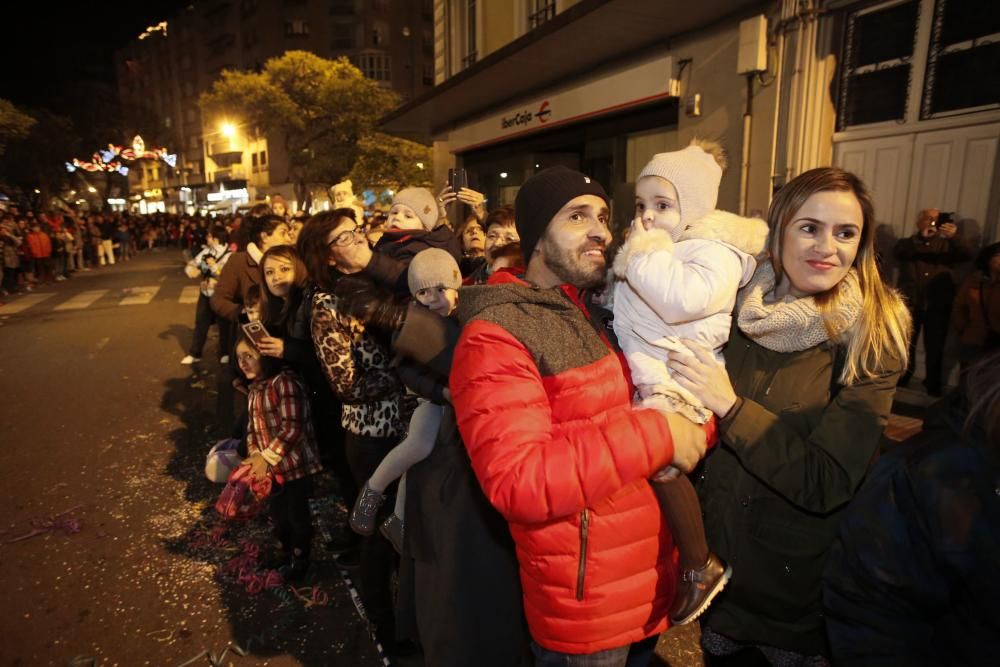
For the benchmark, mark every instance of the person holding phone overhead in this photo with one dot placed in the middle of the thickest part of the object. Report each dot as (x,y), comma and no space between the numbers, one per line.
(926,260)
(458,190)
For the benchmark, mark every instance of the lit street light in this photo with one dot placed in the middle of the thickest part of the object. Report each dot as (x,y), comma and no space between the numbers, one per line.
(228,130)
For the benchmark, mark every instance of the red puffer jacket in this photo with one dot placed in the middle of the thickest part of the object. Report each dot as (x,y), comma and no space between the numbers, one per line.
(544,407)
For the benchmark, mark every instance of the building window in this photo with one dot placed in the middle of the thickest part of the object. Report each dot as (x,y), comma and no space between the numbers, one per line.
(875,78)
(296,28)
(263,158)
(378,36)
(540,11)
(253,160)
(342,8)
(469,30)
(375,66)
(166,122)
(343,35)
(427,40)
(221,44)
(963,61)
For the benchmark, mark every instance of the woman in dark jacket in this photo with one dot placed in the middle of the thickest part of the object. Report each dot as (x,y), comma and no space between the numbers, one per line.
(286,302)
(911,579)
(810,372)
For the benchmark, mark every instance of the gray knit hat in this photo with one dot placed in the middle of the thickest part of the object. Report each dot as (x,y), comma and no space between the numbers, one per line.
(423,204)
(541,197)
(433,267)
(695,172)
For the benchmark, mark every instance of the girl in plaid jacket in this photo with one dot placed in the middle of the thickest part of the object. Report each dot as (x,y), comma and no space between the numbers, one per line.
(280,439)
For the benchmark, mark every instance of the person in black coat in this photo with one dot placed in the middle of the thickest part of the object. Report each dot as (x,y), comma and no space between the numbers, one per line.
(459,580)
(926,260)
(911,579)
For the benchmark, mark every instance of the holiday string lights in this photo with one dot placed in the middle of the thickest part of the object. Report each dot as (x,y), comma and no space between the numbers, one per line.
(111,159)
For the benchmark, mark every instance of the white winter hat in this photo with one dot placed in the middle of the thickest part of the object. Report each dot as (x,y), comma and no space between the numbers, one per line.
(423,204)
(695,172)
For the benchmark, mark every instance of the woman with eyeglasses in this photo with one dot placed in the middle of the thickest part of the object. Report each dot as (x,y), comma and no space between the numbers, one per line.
(356,364)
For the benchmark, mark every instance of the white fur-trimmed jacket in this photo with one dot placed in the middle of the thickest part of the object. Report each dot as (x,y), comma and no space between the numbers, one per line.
(666,291)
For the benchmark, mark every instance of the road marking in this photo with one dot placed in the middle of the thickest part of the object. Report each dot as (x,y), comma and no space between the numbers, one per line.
(24,303)
(139,296)
(82,300)
(190,294)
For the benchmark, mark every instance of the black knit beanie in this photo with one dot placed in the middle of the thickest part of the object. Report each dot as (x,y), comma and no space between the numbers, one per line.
(541,197)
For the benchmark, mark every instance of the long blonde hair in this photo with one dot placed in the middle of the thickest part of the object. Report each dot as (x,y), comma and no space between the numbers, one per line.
(882,333)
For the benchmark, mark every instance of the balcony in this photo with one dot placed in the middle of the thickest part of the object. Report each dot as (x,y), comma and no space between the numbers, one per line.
(225,152)
(234,173)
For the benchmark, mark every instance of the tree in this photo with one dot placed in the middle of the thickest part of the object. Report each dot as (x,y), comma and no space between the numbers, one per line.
(323,109)
(390,162)
(14,124)
(37,160)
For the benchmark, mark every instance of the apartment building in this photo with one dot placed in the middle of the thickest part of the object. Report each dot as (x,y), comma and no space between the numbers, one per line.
(904,92)
(221,162)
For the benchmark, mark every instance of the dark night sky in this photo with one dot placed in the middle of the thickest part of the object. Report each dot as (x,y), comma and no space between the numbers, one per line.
(47,43)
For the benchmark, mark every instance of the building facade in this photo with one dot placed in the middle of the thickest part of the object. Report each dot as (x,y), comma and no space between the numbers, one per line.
(222,165)
(903,92)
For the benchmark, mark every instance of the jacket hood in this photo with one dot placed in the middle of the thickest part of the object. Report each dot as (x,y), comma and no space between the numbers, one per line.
(506,288)
(747,235)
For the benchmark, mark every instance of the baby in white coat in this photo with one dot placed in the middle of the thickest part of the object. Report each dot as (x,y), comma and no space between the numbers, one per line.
(675,279)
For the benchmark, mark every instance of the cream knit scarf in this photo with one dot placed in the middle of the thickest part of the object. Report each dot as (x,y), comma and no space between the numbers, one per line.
(793,324)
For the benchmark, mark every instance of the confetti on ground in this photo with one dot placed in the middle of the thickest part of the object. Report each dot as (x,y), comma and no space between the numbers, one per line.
(56,522)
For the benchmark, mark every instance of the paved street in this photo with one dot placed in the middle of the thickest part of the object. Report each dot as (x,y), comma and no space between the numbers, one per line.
(112,552)
(104,436)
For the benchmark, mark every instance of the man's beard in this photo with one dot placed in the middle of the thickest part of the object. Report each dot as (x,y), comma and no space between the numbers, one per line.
(570,267)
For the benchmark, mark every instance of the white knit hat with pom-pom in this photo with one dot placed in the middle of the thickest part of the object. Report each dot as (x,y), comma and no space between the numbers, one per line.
(695,172)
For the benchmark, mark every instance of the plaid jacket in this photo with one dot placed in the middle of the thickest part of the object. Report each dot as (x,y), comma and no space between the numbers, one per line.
(280,426)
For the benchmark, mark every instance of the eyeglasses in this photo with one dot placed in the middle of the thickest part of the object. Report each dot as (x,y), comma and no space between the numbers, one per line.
(506,238)
(344,238)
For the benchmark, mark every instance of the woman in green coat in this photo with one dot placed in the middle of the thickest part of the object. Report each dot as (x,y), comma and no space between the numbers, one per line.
(817,346)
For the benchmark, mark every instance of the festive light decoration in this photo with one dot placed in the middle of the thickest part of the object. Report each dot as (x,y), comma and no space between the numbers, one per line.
(111,159)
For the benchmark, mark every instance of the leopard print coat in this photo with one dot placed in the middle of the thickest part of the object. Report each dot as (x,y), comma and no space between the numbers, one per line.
(358,370)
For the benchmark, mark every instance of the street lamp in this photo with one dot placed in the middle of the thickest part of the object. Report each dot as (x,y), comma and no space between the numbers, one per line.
(228,130)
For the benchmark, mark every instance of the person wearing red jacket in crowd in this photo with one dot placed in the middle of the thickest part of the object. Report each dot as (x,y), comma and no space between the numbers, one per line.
(40,250)
(544,405)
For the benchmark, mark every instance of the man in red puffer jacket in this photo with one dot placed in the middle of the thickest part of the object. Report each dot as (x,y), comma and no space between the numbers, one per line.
(544,406)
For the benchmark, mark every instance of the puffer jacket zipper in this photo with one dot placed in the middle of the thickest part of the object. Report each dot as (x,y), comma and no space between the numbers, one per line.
(582,568)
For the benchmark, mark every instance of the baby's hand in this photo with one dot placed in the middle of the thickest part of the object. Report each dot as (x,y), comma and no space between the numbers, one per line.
(638,226)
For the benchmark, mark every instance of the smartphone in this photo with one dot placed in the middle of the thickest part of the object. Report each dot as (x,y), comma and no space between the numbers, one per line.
(457,179)
(255,331)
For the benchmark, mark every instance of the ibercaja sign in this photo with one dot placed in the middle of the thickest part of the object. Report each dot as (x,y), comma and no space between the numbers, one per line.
(522,119)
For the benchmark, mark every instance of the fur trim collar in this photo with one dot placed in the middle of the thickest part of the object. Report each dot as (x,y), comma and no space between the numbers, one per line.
(747,235)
